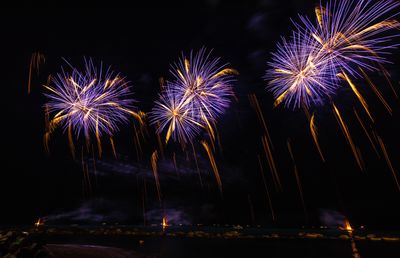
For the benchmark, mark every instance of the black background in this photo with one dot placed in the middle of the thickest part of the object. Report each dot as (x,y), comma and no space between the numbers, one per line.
(141,43)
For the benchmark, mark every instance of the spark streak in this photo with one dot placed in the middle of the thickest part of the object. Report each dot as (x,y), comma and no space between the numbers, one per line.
(37,59)
(389,163)
(154,158)
(266,188)
(377,92)
(298,181)
(357,93)
(271,162)
(256,105)
(213,164)
(314,134)
(366,132)
(347,134)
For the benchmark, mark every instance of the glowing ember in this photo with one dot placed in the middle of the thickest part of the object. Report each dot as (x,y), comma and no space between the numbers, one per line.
(164,223)
(348,226)
(39,222)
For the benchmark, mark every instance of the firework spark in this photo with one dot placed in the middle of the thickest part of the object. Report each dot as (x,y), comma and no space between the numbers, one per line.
(92,101)
(266,188)
(357,93)
(154,159)
(271,162)
(314,133)
(389,163)
(365,131)
(298,181)
(37,59)
(349,139)
(213,165)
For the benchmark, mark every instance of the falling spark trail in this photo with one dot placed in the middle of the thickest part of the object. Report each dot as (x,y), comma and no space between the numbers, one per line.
(98,140)
(366,132)
(306,112)
(298,181)
(71,142)
(213,165)
(354,249)
(387,75)
(46,117)
(346,133)
(49,78)
(256,105)
(138,146)
(159,141)
(377,92)
(389,163)
(344,76)
(36,60)
(197,165)
(266,140)
(266,188)
(88,178)
(154,159)
(46,136)
(314,134)
(113,148)
(271,163)
(296,173)
(175,164)
(46,140)
(218,138)
(209,126)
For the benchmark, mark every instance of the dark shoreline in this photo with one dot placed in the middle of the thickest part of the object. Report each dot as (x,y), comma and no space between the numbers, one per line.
(206,241)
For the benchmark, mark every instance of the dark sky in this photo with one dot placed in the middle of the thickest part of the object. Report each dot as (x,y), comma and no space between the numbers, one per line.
(141,43)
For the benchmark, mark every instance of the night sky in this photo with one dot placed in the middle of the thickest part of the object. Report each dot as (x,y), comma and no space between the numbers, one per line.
(141,43)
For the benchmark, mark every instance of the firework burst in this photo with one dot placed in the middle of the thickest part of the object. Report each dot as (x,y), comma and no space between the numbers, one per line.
(299,74)
(353,34)
(200,92)
(205,83)
(173,113)
(348,36)
(92,101)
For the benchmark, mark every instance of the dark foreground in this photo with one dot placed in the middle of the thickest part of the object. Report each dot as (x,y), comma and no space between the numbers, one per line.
(116,242)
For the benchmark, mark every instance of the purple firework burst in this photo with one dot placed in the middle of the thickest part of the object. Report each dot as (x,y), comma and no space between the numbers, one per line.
(172,113)
(93,100)
(199,94)
(349,36)
(204,83)
(298,74)
(353,33)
